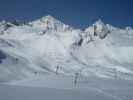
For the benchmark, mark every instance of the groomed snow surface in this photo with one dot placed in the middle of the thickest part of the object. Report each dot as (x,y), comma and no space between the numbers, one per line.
(48,60)
(58,87)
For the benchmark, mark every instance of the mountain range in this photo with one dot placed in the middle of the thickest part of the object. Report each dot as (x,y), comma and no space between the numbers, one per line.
(40,47)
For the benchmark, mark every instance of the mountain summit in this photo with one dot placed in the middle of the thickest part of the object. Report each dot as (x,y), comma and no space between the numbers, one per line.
(50,23)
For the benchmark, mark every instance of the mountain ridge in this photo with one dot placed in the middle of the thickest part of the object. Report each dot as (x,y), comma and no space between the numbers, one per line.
(52,19)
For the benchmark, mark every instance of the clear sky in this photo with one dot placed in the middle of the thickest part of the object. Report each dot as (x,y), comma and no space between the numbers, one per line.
(78,13)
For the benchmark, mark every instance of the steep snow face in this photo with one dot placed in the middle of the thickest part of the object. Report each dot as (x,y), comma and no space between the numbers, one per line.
(30,51)
(40,46)
(111,53)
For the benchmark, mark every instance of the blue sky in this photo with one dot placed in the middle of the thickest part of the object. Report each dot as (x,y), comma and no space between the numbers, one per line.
(78,13)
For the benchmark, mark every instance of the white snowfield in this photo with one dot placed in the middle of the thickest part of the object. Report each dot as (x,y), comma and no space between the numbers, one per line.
(60,87)
(45,47)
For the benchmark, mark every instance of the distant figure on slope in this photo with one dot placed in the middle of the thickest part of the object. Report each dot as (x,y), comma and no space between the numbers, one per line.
(76,78)
(35,73)
(16,60)
(57,69)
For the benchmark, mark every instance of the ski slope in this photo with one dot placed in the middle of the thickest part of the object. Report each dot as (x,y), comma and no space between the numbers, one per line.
(101,50)
(60,87)
(40,60)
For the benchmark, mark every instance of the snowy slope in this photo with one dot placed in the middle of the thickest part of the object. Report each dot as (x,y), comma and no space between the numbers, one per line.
(33,93)
(59,87)
(38,47)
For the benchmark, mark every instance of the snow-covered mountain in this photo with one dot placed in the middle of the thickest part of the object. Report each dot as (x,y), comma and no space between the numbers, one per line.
(38,47)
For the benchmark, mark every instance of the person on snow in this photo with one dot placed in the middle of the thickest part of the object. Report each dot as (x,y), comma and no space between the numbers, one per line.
(76,78)
(57,69)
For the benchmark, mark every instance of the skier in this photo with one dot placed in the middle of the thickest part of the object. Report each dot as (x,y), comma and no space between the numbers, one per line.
(35,73)
(57,68)
(16,59)
(76,78)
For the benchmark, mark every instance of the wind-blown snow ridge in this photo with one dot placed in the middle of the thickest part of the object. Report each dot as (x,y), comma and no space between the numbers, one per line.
(38,47)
